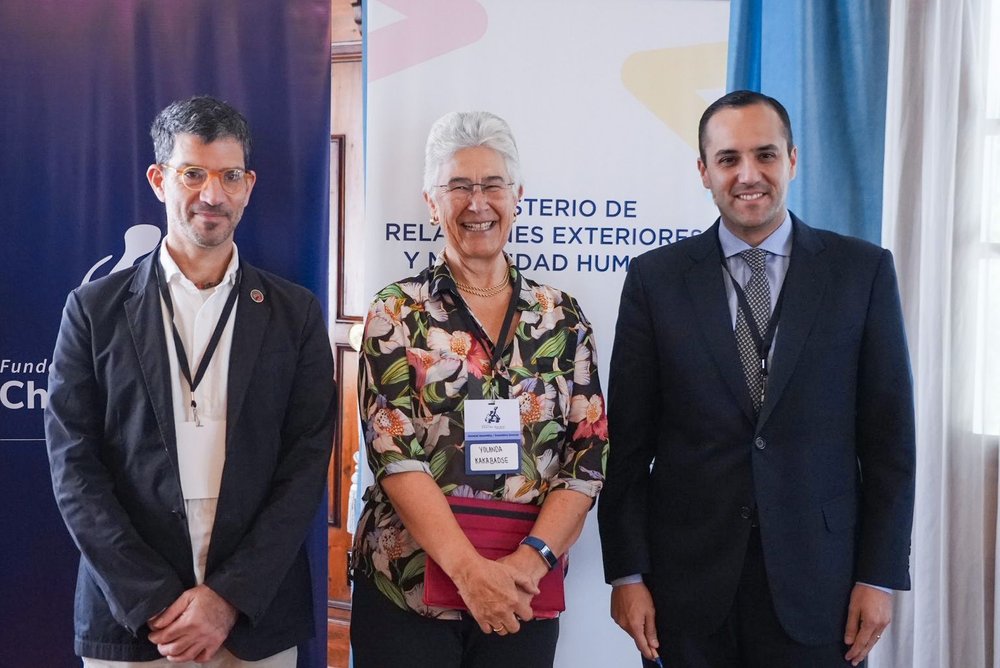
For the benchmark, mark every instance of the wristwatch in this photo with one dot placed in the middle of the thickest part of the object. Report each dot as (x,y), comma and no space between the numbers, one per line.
(539,545)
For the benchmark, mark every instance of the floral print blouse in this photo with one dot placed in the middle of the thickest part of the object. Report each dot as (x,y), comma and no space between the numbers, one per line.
(421,347)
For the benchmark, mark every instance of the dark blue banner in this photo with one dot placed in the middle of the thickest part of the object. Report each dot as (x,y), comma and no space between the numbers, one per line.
(80,83)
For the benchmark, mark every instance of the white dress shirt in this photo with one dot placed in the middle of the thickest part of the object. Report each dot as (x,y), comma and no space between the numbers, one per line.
(200,450)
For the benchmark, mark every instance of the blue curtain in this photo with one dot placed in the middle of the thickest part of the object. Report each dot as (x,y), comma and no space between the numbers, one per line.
(81,83)
(827,62)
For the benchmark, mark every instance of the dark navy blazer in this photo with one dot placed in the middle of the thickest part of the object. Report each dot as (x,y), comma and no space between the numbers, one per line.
(113,453)
(828,468)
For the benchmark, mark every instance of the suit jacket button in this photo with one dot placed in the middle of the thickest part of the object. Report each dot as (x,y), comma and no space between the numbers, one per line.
(759,443)
(745,512)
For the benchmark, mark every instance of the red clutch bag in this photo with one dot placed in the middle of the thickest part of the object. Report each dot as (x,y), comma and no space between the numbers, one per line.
(495,529)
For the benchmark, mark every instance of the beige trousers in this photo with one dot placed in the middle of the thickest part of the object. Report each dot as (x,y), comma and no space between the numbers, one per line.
(223,659)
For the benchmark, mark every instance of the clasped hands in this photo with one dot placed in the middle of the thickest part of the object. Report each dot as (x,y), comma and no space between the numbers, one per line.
(193,627)
(498,593)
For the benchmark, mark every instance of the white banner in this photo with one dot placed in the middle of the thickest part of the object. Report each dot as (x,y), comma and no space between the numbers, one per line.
(604,100)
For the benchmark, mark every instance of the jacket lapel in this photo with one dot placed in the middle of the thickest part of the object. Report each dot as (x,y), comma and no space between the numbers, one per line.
(804,286)
(248,334)
(145,323)
(708,295)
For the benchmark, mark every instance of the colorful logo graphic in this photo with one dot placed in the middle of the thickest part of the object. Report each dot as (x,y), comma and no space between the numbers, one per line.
(139,240)
(676,84)
(428,29)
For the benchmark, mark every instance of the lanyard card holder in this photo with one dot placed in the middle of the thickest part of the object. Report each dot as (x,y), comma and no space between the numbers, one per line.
(492,436)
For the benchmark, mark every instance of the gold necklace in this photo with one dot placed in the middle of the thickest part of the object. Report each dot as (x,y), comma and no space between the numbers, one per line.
(491,291)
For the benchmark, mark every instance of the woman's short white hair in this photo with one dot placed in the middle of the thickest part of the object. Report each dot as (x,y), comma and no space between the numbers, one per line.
(464,129)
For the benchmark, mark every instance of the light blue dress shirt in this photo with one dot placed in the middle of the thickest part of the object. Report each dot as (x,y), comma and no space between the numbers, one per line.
(779,251)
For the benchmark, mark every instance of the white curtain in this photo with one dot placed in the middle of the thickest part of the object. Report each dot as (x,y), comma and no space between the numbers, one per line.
(941,216)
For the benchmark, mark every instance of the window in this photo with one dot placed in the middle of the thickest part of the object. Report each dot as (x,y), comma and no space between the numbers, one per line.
(986,413)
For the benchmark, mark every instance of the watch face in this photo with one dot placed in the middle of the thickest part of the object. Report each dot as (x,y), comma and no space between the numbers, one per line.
(549,556)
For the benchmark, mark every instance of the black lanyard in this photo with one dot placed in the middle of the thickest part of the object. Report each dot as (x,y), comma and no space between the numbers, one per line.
(206,358)
(763,342)
(475,390)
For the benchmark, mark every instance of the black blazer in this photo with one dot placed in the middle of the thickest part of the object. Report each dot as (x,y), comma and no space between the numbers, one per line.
(112,447)
(828,468)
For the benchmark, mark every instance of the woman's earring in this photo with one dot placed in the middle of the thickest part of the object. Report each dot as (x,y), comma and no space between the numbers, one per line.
(435,221)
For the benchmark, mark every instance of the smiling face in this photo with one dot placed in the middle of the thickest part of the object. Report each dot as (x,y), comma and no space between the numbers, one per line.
(476,224)
(201,219)
(748,167)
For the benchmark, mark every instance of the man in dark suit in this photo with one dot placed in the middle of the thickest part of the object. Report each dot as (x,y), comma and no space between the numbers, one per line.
(759,494)
(189,427)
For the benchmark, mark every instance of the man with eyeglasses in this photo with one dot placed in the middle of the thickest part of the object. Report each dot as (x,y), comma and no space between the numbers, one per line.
(189,427)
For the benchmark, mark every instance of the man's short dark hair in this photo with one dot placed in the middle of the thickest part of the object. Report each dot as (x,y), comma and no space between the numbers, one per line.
(738,99)
(202,116)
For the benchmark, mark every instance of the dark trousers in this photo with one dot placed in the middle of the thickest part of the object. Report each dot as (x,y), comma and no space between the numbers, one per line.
(384,635)
(752,636)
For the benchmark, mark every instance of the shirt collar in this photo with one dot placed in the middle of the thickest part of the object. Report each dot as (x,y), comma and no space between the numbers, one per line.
(172,271)
(778,242)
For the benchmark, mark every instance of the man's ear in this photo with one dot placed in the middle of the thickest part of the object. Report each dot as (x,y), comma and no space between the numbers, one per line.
(703,170)
(154,174)
(251,177)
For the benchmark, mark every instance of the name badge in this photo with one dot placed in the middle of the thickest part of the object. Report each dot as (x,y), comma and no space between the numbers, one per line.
(492,436)
(201,455)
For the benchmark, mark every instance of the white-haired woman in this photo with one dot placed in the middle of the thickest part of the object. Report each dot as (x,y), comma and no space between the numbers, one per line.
(467,333)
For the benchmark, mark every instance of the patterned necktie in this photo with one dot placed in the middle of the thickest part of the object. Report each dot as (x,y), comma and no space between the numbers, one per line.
(758,294)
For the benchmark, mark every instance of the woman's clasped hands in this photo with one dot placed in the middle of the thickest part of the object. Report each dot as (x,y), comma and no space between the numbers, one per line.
(498,593)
